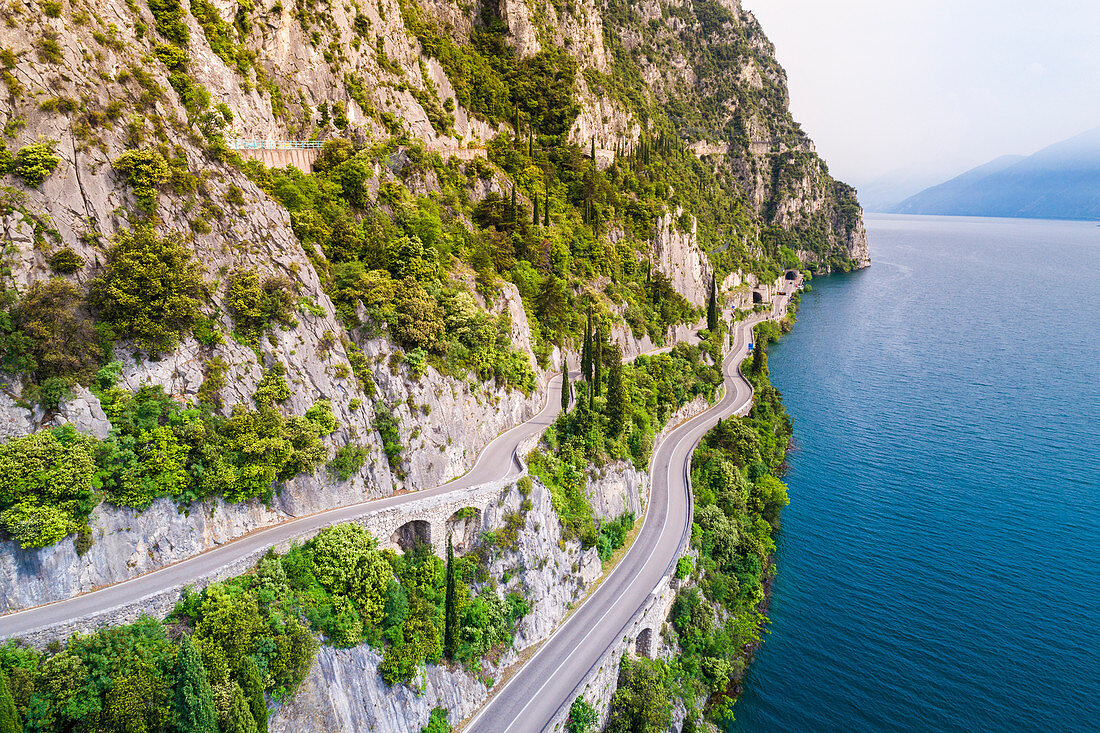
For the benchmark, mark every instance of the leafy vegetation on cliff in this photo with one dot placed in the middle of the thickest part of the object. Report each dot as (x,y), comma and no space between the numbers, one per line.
(53,479)
(616,420)
(209,666)
(719,618)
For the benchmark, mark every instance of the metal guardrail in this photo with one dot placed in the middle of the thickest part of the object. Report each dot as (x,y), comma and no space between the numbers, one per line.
(245,144)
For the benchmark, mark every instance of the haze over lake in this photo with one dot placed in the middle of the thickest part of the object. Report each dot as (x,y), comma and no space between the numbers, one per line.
(938,562)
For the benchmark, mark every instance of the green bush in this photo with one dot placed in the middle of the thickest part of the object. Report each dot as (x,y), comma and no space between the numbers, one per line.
(168,15)
(59,339)
(582,717)
(387,426)
(47,485)
(255,305)
(145,170)
(33,163)
(347,462)
(613,535)
(272,387)
(641,704)
(65,261)
(438,722)
(150,289)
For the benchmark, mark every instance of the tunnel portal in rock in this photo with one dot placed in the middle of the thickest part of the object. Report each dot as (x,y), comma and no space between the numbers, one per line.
(757,296)
(410,533)
(791,275)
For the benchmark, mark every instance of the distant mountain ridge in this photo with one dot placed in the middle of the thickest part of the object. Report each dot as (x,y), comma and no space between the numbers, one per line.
(1061,181)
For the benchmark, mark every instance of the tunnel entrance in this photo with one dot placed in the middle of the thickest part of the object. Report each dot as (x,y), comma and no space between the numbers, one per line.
(410,533)
(757,296)
(463,529)
(791,275)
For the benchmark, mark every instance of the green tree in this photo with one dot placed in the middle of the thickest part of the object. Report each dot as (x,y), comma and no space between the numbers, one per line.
(597,362)
(194,700)
(450,618)
(150,289)
(253,687)
(712,306)
(9,716)
(546,210)
(238,717)
(146,171)
(34,162)
(586,349)
(582,717)
(138,702)
(254,305)
(617,402)
(62,339)
(46,485)
(759,359)
(565,396)
(417,319)
(641,704)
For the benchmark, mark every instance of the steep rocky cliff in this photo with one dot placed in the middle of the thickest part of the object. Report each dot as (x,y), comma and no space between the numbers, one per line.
(482,175)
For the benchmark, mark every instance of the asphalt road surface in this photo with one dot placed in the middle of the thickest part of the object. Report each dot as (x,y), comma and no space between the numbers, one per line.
(553,677)
(497,460)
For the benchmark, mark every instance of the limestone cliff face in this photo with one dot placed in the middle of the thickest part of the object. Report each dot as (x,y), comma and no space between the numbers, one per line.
(91,80)
(344,691)
(676,253)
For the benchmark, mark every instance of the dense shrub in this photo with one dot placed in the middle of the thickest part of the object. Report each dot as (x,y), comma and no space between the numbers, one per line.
(170,23)
(59,339)
(347,461)
(150,289)
(145,170)
(65,261)
(47,485)
(641,704)
(256,305)
(33,163)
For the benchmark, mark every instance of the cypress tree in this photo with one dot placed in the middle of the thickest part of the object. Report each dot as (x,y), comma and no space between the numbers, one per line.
(546,209)
(712,306)
(616,393)
(239,718)
(450,618)
(586,349)
(597,362)
(535,211)
(565,387)
(593,148)
(253,688)
(9,716)
(194,701)
(759,361)
(515,218)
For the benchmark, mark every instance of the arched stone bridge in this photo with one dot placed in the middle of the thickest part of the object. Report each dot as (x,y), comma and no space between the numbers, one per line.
(461,515)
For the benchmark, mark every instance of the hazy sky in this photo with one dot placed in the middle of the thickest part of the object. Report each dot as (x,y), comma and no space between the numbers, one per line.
(934,87)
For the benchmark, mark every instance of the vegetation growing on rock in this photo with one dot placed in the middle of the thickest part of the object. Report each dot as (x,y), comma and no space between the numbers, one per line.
(209,666)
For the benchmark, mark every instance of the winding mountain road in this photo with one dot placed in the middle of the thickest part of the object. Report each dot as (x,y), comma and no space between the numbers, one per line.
(497,460)
(554,676)
(530,699)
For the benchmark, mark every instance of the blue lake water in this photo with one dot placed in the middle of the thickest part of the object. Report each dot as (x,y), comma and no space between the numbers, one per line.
(939,564)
